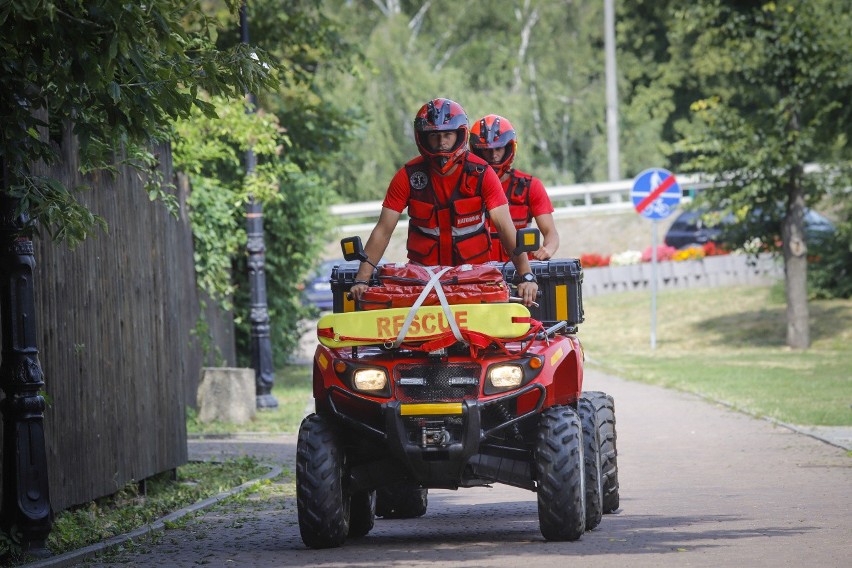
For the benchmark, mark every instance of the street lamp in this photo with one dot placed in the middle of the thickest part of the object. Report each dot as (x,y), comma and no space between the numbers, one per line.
(261,344)
(26,498)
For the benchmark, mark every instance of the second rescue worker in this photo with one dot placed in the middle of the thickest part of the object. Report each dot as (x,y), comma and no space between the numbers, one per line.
(447,192)
(493,139)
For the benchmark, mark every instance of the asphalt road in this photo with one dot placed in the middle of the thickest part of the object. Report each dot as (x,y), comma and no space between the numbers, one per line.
(701,485)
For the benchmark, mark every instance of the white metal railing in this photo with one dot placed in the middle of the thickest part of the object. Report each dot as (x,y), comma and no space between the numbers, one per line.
(568,200)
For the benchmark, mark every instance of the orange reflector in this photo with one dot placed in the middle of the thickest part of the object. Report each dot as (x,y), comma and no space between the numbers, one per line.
(339,366)
(535,363)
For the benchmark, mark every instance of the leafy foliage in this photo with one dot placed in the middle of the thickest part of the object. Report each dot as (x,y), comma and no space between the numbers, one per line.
(120,73)
(298,227)
(537,62)
(830,267)
(775,88)
(776,82)
(211,151)
(311,128)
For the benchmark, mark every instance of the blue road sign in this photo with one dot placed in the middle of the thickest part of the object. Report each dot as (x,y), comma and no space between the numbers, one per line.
(655,193)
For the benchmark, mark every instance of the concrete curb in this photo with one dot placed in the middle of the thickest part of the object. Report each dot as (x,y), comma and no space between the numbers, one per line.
(75,556)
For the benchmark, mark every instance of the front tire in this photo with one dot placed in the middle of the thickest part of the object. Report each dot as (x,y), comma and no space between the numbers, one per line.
(321,500)
(605,407)
(560,474)
(592,462)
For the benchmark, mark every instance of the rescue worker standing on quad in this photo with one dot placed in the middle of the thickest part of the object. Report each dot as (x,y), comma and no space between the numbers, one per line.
(447,192)
(493,139)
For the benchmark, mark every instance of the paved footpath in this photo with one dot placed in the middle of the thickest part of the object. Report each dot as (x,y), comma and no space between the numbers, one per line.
(701,485)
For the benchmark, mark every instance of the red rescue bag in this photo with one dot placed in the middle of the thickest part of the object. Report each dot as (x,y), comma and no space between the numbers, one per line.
(402,284)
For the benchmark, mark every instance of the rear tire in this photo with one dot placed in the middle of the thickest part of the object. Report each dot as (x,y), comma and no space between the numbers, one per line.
(605,407)
(401,501)
(561,479)
(592,462)
(362,513)
(321,500)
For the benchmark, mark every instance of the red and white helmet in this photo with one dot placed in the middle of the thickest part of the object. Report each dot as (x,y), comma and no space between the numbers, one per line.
(439,115)
(494,131)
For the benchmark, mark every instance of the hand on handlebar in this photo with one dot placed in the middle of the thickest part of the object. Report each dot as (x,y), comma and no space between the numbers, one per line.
(542,254)
(356,291)
(527,292)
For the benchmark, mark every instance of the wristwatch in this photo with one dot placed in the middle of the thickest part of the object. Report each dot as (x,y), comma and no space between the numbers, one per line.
(528,277)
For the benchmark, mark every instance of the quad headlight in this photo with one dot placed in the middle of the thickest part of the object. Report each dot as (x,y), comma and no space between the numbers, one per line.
(506,376)
(370,379)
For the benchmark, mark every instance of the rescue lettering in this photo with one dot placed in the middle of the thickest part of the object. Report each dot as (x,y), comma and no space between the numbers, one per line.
(470,219)
(429,324)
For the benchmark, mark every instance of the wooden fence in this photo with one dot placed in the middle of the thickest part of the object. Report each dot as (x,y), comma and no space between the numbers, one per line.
(115,322)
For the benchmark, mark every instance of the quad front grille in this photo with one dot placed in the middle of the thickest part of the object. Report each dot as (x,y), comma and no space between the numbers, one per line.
(437,382)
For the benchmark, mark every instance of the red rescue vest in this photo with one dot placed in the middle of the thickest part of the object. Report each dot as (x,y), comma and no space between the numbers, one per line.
(518,194)
(450,233)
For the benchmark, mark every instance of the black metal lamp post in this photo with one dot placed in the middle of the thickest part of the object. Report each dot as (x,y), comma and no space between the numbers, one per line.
(261,344)
(26,499)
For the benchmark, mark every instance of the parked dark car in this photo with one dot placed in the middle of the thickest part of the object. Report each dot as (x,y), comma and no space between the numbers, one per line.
(690,229)
(318,287)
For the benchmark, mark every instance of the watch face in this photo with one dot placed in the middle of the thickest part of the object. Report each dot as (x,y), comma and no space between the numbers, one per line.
(529,277)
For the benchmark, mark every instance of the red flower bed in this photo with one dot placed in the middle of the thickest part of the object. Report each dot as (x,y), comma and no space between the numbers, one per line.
(591,260)
(712,249)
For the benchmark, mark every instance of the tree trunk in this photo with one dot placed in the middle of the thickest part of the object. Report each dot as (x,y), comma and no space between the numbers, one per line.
(796,264)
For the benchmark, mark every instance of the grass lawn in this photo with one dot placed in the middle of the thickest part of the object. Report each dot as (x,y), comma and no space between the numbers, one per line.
(728,344)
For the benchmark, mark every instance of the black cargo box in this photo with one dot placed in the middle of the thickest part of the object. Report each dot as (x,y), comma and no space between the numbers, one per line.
(342,279)
(560,283)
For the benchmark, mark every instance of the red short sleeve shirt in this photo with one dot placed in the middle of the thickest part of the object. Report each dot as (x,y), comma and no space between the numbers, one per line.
(539,201)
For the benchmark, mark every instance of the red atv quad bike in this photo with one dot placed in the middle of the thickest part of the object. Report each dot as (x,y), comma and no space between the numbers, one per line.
(459,387)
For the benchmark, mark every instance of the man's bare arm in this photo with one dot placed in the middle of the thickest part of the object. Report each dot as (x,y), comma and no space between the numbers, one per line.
(549,236)
(376,246)
(506,229)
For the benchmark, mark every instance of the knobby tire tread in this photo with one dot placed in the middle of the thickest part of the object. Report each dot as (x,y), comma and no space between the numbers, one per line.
(561,479)
(323,506)
(605,406)
(592,462)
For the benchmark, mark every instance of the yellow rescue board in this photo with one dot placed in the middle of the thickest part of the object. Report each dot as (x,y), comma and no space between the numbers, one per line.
(373,327)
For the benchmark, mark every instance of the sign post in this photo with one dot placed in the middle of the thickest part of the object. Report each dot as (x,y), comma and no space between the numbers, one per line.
(655,195)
